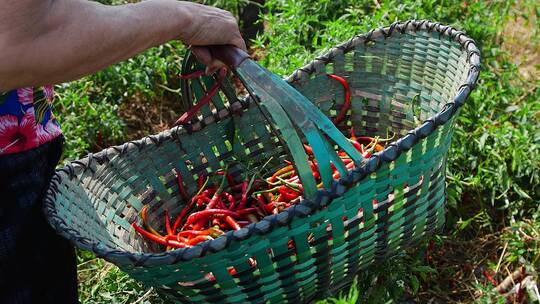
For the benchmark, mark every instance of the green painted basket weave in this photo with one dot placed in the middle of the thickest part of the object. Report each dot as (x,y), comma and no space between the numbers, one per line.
(397,74)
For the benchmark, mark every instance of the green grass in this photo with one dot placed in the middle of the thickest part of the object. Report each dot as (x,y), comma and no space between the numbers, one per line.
(493,173)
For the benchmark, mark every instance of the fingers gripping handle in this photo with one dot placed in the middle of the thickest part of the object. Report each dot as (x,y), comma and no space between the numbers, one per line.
(228,54)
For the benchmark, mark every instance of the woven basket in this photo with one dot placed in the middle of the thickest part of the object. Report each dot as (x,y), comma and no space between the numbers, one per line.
(398,74)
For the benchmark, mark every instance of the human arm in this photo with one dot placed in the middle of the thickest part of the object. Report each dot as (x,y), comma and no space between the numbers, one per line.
(53,41)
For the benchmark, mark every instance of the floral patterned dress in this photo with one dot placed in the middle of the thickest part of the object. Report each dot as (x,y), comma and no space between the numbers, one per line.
(36,264)
(26,119)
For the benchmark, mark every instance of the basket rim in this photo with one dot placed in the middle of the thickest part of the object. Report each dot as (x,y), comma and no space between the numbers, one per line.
(305,207)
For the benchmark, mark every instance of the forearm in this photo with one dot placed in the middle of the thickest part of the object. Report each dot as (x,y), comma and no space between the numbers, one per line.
(76,37)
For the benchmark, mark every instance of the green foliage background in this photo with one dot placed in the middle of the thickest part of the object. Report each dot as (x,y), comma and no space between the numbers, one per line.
(493,176)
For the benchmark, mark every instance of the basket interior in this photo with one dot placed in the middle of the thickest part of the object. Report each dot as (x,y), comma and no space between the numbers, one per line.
(395,82)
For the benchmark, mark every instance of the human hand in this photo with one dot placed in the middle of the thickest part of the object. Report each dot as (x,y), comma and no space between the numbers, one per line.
(210,26)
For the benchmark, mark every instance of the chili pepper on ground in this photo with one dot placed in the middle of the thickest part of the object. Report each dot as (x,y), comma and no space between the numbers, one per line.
(490,278)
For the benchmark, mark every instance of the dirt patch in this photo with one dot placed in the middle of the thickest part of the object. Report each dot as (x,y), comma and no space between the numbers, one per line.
(145,117)
(522,40)
(460,264)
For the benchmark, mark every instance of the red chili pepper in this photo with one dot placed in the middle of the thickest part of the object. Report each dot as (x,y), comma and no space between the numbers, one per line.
(144,212)
(231,222)
(237,188)
(201,223)
(261,205)
(180,183)
(214,201)
(193,75)
(213,232)
(346,161)
(281,171)
(293,184)
(286,194)
(308,149)
(202,197)
(157,239)
(315,169)
(490,278)
(220,203)
(173,242)
(269,207)
(148,235)
(200,181)
(182,215)
(243,198)
(176,244)
(230,179)
(347,104)
(168,227)
(353,135)
(358,146)
(204,214)
(295,179)
(245,211)
(196,240)
(187,116)
(230,198)
(348,166)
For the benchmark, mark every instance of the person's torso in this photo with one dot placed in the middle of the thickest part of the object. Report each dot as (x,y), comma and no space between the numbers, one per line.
(26,119)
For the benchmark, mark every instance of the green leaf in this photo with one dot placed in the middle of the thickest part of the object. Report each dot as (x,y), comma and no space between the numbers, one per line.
(423,269)
(415,284)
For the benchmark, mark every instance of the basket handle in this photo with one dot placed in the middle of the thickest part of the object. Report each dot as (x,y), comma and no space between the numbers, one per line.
(280,99)
(229,55)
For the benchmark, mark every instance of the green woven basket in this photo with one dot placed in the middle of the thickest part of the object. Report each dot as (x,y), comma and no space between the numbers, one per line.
(397,74)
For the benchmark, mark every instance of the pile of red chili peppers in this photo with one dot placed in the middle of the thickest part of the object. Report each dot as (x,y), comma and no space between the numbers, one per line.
(222,204)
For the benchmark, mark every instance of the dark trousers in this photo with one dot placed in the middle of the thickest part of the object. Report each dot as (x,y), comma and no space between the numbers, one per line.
(36,265)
